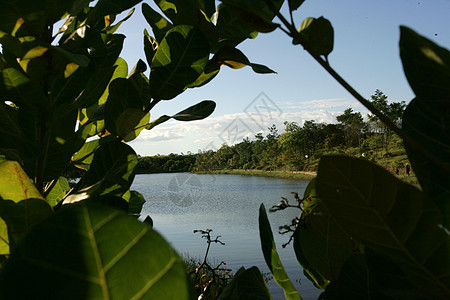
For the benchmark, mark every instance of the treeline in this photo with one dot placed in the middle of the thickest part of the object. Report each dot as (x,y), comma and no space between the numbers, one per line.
(165,163)
(300,147)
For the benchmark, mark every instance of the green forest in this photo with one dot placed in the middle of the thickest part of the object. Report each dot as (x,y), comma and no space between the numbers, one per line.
(70,101)
(299,148)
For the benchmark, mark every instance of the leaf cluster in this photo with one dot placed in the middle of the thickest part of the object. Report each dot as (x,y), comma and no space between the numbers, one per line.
(69,101)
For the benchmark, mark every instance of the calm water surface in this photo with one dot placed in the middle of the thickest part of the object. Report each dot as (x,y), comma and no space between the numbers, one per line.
(228,204)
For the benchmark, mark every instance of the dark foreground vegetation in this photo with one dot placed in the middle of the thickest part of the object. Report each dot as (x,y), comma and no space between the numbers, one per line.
(69,100)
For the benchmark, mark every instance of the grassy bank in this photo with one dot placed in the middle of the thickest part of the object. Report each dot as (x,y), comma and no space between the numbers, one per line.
(278,174)
(290,174)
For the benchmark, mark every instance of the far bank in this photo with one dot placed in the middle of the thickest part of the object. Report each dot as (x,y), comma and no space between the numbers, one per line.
(279,174)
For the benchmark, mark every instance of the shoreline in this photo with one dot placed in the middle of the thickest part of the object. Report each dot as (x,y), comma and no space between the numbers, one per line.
(279,174)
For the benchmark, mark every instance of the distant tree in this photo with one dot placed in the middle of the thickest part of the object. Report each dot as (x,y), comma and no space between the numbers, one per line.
(393,110)
(353,126)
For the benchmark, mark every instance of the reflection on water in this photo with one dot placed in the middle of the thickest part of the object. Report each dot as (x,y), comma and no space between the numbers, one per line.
(229,204)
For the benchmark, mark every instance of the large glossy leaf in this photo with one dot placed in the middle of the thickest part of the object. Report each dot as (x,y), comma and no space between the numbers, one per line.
(321,246)
(180,59)
(15,184)
(124,108)
(180,12)
(100,253)
(111,172)
(135,203)
(21,216)
(15,188)
(11,136)
(427,68)
(258,15)
(232,30)
(271,256)
(246,284)
(198,111)
(159,24)
(317,36)
(23,18)
(389,216)
(371,276)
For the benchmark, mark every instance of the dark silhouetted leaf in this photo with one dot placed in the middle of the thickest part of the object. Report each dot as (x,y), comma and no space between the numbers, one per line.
(295,4)
(136,202)
(390,216)
(317,36)
(426,119)
(246,284)
(100,253)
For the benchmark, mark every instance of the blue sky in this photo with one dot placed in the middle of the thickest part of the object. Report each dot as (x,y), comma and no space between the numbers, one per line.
(365,54)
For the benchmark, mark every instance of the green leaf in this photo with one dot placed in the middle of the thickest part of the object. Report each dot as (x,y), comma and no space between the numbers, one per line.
(208,7)
(180,12)
(231,29)
(320,245)
(295,4)
(11,136)
(124,109)
(246,284)
(179,60)
(390,216)
(158,121)
(111,172)
(204,78)
(58,192)
(317,36)
(23,18)
(427,68)
(83,158)
(271,256)
(80,59)
(100,253)
(261,69)
(15,184)
(4,240)
(235,59)
(136,202)
(21,216)
(198,111)
(159,24)
(353,282)
(258,15)
(15,187)
(371,276)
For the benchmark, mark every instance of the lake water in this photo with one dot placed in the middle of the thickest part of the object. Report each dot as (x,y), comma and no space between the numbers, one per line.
(229,204)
